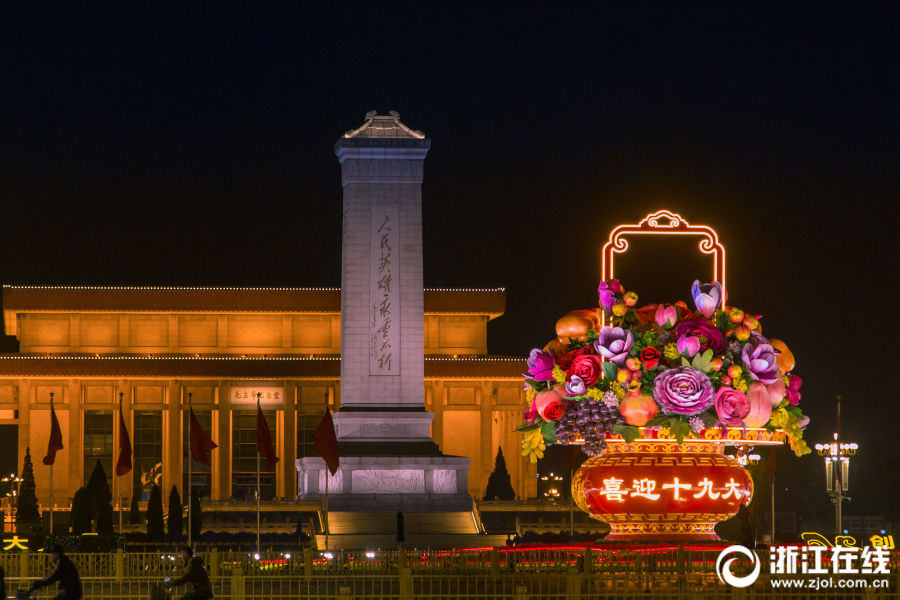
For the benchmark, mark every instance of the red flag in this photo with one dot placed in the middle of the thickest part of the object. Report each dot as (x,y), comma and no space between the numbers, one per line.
(264,439)
(201,444)
(55,444)
(123,465)
(326,443)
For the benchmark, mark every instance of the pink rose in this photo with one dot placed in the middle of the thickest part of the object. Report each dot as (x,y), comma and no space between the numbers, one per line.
(732,406)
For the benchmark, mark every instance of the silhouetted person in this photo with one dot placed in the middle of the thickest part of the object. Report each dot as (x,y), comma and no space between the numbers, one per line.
(65,573)
(748,536)
(196,578)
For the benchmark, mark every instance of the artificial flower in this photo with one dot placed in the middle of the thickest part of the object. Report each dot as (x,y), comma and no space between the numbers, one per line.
(688,346)
(607,292)
(540,365)
(759,360)
(650,357)
(707,297)
(666,315)
(793,389)
(709,335)
(732,406)
(575,386)
(683,391)
(614,344)
(588,367)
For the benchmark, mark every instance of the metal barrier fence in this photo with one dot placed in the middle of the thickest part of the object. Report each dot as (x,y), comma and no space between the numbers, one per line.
(515,574)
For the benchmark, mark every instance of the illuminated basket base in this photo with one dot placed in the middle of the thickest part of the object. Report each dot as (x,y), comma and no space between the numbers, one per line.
(655,488)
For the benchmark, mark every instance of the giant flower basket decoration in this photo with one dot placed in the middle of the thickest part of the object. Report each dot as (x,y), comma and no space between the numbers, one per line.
(654,394)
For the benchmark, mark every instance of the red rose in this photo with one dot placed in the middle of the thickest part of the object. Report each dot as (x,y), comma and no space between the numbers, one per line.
(588,367)
(564,361)
(650,357)
(554,411)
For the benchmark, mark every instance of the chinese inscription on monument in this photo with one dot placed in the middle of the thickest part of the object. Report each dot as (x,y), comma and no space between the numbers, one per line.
(384,293)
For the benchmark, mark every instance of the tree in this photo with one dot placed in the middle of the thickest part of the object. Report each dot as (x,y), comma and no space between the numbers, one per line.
(134,516)
(499,486)
(175,521)
(27,512)
(80,517)
(196,515)
(155,529)
(102,512)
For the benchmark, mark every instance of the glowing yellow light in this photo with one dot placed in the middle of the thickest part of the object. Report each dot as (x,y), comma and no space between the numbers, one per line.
(15,542)
(664,222)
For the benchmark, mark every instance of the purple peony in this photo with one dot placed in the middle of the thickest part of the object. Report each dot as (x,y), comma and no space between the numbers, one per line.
(614,344)
(607,292)
(540,365)
(732,406)
(759,360)
(707,297)
(683,391)
(709,335)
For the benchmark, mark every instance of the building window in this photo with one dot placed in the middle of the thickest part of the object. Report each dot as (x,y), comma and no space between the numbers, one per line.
(98,442)
(306,425)
(243,457)
(147,436)
(201,478)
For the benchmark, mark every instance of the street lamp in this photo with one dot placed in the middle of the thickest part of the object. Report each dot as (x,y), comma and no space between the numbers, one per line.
(837,473)
(13,481)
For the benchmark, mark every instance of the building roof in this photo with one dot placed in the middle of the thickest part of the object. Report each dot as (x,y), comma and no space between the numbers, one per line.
(384,127)
(490,302)
(284,366)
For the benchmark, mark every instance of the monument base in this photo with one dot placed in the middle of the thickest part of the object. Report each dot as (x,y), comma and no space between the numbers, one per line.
(381,483)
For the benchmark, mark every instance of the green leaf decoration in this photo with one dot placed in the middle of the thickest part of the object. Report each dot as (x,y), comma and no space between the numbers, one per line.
(680,429)
(527,427)
(684,362)
(661,420)
(609,370)
(628,432)
(548,430)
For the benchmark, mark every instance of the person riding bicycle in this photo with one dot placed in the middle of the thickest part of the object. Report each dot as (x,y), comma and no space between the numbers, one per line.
(196,578)
(65,573)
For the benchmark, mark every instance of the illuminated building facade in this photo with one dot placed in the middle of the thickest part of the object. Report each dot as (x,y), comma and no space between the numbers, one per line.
(157,346)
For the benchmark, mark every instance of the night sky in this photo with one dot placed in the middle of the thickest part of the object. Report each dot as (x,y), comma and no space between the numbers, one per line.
(194,146)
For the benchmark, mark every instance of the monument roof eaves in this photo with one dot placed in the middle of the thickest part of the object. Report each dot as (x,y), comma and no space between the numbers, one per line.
(383,127)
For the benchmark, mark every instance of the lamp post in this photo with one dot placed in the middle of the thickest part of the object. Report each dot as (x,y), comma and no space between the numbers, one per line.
(837,469)
(13,480)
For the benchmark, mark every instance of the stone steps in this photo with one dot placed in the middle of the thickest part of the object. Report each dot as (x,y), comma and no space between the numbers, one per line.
(414,523)
(389,541)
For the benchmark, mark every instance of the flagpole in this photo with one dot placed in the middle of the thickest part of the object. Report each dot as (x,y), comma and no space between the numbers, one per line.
(51,472)
(258,395)
(119,483)
(190,476)
(327,474)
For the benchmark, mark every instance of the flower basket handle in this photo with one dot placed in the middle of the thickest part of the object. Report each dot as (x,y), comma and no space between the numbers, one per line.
(664,222)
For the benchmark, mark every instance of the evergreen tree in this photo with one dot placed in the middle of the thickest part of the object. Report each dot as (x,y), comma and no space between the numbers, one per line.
(27,512)
(499,486)
(155,529)
(134,516)
(80,517)
(175,522)
(101,500)
(196,515)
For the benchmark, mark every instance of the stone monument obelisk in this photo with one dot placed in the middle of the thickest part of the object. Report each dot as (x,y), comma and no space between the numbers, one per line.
(388,459)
